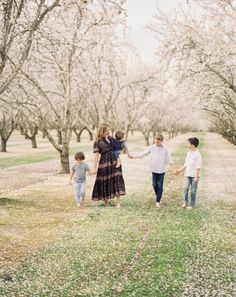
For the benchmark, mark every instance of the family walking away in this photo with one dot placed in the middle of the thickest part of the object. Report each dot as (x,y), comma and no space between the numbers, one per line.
(109,181)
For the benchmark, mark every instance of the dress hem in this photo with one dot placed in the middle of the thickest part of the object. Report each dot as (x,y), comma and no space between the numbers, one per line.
(110,197)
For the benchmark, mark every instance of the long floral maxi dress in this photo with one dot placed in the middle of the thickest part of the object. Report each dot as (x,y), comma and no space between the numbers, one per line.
(109,180)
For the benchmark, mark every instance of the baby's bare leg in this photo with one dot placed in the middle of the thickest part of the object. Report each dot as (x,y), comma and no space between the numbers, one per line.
(118,162)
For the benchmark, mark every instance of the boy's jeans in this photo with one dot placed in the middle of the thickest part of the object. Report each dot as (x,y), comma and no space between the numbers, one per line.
(157,183)
(80,191)
(189,181)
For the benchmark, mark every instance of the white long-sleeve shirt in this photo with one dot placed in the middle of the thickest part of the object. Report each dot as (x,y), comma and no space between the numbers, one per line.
(193,162)
(160,156)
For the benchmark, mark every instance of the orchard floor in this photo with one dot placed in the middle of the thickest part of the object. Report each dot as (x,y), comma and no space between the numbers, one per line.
(48,247)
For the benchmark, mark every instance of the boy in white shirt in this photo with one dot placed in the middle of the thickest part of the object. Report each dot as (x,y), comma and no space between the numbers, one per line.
(192,166)
(160,156)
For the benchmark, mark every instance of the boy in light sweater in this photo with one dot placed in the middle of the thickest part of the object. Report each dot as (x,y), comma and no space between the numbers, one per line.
(160,156)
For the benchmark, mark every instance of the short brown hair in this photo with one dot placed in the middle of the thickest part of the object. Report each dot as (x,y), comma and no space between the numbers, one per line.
(79,156)
(159,137)
(119,135)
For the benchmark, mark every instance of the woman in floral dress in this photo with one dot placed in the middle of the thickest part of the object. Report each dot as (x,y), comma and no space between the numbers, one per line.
(109,180)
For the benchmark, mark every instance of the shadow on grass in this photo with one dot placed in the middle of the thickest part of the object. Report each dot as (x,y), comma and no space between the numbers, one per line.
(6,277)
(4,201)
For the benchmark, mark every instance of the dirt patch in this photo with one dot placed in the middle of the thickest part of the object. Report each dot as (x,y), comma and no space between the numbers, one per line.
(221,168)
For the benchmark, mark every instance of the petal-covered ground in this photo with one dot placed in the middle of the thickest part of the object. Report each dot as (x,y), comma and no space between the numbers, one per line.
(51,248)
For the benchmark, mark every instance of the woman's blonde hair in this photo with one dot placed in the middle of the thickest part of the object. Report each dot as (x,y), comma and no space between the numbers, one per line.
(101,133)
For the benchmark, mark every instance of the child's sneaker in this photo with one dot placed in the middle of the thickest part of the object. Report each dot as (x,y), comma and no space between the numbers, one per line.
(158,205)
(189,207)
(184,205)
(78,205)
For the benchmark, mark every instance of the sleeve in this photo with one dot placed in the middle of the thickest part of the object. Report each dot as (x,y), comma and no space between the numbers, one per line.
(87,168)
(145,153)
(96,148)
(186,160)
(112,142)
(169,157)
(199,161)
(126,148)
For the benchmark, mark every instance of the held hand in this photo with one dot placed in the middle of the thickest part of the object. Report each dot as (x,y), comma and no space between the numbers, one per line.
(173,171)
(177,172)
(70,183)
(196,179)
(93,172)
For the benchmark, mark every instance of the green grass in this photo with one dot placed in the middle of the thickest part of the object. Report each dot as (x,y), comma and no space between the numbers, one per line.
(134,251)
(16,161)
(35,158)
(52,154)
(95,256)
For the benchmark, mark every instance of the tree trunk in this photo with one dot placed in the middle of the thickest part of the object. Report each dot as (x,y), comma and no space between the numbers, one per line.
(126,135)
(146,137)
(33,141)
(78,137)
(3,145)
(234,140)
(127,130)
(147,141)
(78,134)
(59,135)
(90,135)
(65,163)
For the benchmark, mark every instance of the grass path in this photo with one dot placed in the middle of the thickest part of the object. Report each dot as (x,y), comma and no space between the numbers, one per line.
(32,215)
(212,271)
(136,250)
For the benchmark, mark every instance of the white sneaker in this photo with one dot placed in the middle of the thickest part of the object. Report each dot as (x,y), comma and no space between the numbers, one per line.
(78,205)
(189,207)
(184,205)
(158,205)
